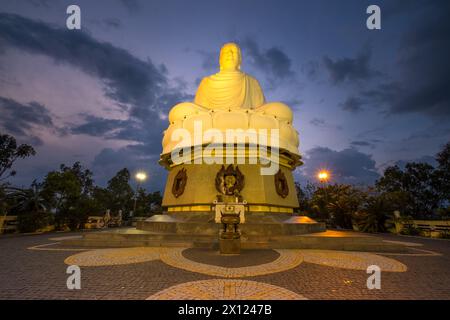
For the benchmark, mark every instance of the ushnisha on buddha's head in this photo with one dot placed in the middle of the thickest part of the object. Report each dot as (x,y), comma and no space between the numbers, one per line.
(230,57)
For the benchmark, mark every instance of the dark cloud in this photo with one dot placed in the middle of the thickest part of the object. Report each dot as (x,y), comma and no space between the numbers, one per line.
(272,61)
(402,163)
(139,87)
(321,123)
(20,120)
(317,122)
(97,126)
(127,79)
(113,23)
(438,130)
(311,70)
(347,166)
(423,74)
(210,60)
(397,8)
(131,5)
(109,161)
(352,104)
(145,138)
(423,59)
(362,143)
(350,69)
(40,3)
(424,159)
(380,96)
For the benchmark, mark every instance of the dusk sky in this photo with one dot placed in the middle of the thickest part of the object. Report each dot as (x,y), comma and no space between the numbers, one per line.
(362,99)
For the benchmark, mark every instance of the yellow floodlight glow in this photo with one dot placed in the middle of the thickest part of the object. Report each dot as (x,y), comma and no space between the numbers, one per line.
(323,175)
(141,176)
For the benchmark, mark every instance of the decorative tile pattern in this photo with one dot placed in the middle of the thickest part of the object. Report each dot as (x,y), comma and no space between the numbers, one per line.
(38,274)
(223,289)
(288,259)
(351,260)
(109,257)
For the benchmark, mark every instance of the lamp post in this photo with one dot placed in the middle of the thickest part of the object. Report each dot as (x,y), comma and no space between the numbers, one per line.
(140,177)
(324,176)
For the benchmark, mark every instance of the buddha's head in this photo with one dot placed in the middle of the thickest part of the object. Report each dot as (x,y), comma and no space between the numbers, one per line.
(230,57)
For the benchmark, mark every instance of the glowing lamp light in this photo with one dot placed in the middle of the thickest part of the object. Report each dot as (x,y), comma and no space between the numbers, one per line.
(141,176)
(323,175)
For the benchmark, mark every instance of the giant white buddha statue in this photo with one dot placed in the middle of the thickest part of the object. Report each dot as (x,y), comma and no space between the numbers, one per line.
(232,99)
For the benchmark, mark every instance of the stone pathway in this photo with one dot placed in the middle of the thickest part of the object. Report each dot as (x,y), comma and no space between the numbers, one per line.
(34,267)
(218,289)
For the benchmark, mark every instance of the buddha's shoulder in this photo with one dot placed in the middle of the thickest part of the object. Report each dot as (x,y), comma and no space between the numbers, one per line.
(249,77)
(252,80)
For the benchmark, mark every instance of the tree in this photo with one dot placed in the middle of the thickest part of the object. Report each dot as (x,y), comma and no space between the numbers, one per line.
(70,192)
(337,203)
(28,200)
(443,173)
(147,203)
(418,182)
(102,198)
(376,211)
(156,202)
(31,207)
(343,202)
(120,192)
(62,189)
(421,182)
(9,153)
(304,196)
(84,177)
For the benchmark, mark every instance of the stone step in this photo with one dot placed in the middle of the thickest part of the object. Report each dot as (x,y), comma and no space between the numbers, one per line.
(326,241)
(149,236)
(105,243)
(249,229)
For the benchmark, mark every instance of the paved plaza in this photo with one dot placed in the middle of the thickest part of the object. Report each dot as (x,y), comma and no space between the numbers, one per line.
(34,267)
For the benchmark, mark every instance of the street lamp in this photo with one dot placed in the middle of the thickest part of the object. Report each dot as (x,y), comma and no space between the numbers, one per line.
(140,176)
(324,176)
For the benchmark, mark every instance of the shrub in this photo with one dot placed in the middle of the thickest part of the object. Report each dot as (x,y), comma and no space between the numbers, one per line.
(410,231)
(445,235)
(30,222)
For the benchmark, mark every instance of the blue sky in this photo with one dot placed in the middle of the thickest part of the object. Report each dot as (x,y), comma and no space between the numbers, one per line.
(363,99)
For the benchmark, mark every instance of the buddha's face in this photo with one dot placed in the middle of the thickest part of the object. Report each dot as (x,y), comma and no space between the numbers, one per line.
(230,57)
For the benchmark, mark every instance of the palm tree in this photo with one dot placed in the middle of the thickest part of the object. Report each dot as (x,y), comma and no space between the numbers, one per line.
(376,214)
(30,206)
(338,203)
(28,200)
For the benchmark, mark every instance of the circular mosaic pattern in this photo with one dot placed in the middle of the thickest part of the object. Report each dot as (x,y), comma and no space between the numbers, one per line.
(247,257)
(111,257)
(224,289)
(352,260)
(288,259)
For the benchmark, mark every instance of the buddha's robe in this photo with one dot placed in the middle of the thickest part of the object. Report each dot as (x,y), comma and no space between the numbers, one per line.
(229,90)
